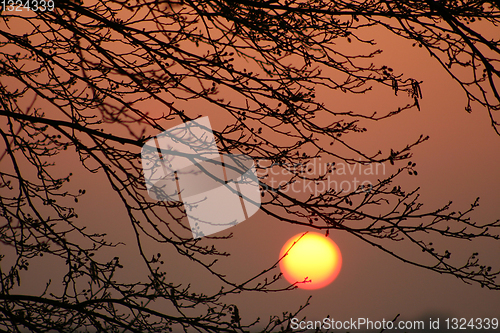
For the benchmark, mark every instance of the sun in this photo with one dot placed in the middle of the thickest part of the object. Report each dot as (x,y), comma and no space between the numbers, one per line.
(314,258)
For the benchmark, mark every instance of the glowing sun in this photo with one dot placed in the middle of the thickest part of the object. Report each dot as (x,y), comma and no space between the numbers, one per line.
(314,257)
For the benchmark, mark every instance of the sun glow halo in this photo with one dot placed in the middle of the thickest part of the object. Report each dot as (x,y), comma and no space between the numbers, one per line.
(314,257)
